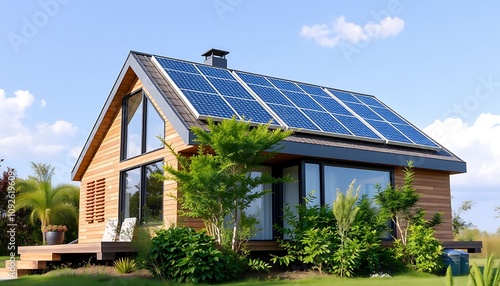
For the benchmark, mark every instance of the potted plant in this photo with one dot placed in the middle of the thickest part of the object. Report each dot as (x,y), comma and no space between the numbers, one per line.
(54,234)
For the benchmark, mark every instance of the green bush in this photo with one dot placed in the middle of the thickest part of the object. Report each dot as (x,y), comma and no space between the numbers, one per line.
(184,255)
(424,249)
(312,235)
(124,265)
(314,241)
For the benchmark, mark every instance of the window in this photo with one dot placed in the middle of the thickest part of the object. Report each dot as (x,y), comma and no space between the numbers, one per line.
(341,177)
(141,124)
(142,194)
(313,186)
(291,196)
(261,209)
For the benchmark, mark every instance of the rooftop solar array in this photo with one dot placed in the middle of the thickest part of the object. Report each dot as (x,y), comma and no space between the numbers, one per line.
(221,93)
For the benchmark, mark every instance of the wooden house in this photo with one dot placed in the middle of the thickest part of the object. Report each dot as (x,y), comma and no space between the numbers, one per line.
(339,136)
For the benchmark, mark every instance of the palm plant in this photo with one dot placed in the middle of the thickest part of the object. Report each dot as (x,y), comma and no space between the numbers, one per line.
(489,277)
(45,202)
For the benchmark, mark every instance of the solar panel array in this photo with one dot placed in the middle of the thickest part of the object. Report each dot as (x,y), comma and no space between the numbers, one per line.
(221,93)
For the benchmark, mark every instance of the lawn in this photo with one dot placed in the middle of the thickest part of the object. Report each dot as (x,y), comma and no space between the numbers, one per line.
(103,280)
(99,278)
(5,258)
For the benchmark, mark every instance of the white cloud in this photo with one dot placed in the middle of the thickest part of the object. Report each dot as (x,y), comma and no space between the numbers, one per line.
(21,142)
(478,145)
(43,103)
(60,127)
(341,30)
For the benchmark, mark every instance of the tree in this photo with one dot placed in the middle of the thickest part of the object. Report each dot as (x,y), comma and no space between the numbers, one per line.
(344,211)
(497,209)
(417,247)
(458,223)
(46,203)
(43,172)
(216,183)
(398,203)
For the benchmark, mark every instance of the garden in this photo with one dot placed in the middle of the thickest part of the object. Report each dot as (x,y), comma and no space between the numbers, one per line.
(322,244)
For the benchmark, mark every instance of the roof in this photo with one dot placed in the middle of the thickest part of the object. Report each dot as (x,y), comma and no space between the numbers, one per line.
(170,100)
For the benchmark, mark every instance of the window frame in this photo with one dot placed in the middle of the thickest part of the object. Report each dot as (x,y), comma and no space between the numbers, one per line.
(302,181)
(144,123)
(142,194)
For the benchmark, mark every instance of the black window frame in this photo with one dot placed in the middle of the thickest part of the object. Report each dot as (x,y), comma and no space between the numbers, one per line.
(144,121)
(142,195)
(301,163)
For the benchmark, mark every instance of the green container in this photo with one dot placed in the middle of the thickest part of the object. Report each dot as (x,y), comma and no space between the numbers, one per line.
(451,258)
(464,262)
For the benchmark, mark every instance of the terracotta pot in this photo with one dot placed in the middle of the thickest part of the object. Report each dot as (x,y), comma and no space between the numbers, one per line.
(54,237)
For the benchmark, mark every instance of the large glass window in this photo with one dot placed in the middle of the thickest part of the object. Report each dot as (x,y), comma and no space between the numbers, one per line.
(340,178)
(313,184)
(262,210)
(291,197)
(141,124)
(142,194)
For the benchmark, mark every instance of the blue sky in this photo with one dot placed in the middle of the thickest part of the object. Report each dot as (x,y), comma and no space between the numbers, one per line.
(436,63)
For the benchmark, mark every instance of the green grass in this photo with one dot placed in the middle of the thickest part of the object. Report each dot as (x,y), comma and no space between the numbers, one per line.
(102,280)
(5,258)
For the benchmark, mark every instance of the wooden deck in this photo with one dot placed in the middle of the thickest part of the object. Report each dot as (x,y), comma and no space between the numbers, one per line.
(103,250)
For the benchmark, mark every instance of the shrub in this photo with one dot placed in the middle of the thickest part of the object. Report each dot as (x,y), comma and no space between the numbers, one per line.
(314,241)
(312,235)
(424,249)
(184,255)
(124,265)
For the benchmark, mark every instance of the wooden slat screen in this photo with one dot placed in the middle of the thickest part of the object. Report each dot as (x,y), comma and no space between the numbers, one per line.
(94,207)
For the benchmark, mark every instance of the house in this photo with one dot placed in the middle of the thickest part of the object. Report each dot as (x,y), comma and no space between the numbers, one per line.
(339,136)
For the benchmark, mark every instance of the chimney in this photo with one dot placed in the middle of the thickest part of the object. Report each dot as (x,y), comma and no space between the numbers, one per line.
(216,58)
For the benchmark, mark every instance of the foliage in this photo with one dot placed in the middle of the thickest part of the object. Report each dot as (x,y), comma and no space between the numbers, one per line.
(216,183)
(46,203)
(124,265)
(256,264)
(458,223)
(344,211)
(423,250)
(489,277)
(315,240)
(51,227)
(184,255)
(43,172)
(416,247)
(312,234)
(397,203)
(449,276)
(497,209)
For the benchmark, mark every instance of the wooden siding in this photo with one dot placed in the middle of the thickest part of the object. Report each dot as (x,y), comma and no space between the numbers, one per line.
(434,190)
(106,164)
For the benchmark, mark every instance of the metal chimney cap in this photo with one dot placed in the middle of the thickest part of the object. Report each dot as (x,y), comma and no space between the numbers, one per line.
(215,52)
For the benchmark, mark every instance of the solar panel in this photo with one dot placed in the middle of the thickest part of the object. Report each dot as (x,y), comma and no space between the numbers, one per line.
(344,96)
(388,131)
(327,122)
(293,117)
(207,104)
(251,110)
(385,121)
(221,93)
(189,81)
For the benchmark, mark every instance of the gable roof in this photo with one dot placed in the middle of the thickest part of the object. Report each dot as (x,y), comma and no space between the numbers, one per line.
(173,103)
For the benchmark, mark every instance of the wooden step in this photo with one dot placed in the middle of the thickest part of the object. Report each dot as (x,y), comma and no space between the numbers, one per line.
(26,264)
(6,273)
(41,256)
